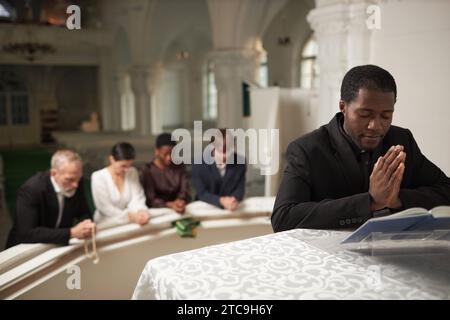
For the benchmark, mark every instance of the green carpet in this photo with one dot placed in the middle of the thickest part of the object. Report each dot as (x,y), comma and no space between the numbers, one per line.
(19,165)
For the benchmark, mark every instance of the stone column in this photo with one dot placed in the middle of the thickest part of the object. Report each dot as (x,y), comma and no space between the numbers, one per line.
(117,89)
(359,35)
(344,41)
(145,82)
(108,109)
(154,84)
(231,68)
(139,84)
(330,26)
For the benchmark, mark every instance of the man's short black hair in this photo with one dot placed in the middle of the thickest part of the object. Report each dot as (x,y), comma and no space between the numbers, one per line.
(369,77)
(164,139)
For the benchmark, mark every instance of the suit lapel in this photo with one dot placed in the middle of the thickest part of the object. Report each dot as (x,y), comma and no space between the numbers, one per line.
(230,169)
(345,157)
(52,201)
(214,172)
(227,176)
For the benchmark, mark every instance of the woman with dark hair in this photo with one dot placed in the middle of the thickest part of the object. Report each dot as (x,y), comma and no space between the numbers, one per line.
(116,189)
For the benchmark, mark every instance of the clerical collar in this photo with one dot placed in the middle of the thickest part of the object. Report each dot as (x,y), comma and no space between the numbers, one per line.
(356,149)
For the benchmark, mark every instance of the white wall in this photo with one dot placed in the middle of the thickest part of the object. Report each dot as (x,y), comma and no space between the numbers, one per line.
(283,60)
(414,45)
(293,112)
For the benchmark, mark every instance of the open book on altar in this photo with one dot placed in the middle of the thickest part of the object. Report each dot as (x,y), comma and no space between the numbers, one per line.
(425,224)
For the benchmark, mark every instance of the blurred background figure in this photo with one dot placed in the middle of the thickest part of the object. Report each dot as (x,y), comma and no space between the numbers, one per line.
(116,190)
(49,202)
(165,184)
(221,184)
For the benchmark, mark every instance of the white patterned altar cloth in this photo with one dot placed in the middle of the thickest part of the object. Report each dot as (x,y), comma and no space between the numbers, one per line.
(296,264)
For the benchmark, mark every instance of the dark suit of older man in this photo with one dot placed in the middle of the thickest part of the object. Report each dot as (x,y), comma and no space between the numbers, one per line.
(38,217)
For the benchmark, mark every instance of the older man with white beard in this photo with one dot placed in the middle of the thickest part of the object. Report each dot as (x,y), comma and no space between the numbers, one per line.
(49,203)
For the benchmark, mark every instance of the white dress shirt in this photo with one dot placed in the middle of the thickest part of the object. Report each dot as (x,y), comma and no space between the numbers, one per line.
(112,206)
(222,168)
(220,164)
(60,197)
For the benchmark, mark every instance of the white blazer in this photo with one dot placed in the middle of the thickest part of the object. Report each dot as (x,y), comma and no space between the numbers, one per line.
(112,207)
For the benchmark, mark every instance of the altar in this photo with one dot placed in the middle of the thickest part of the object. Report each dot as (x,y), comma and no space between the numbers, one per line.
(297,264)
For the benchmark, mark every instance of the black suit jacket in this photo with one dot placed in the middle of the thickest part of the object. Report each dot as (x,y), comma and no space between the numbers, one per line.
(37,212)
(210,186)
(322,186)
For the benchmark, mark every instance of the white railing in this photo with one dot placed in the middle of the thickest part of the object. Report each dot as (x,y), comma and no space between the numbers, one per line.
(24,261)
